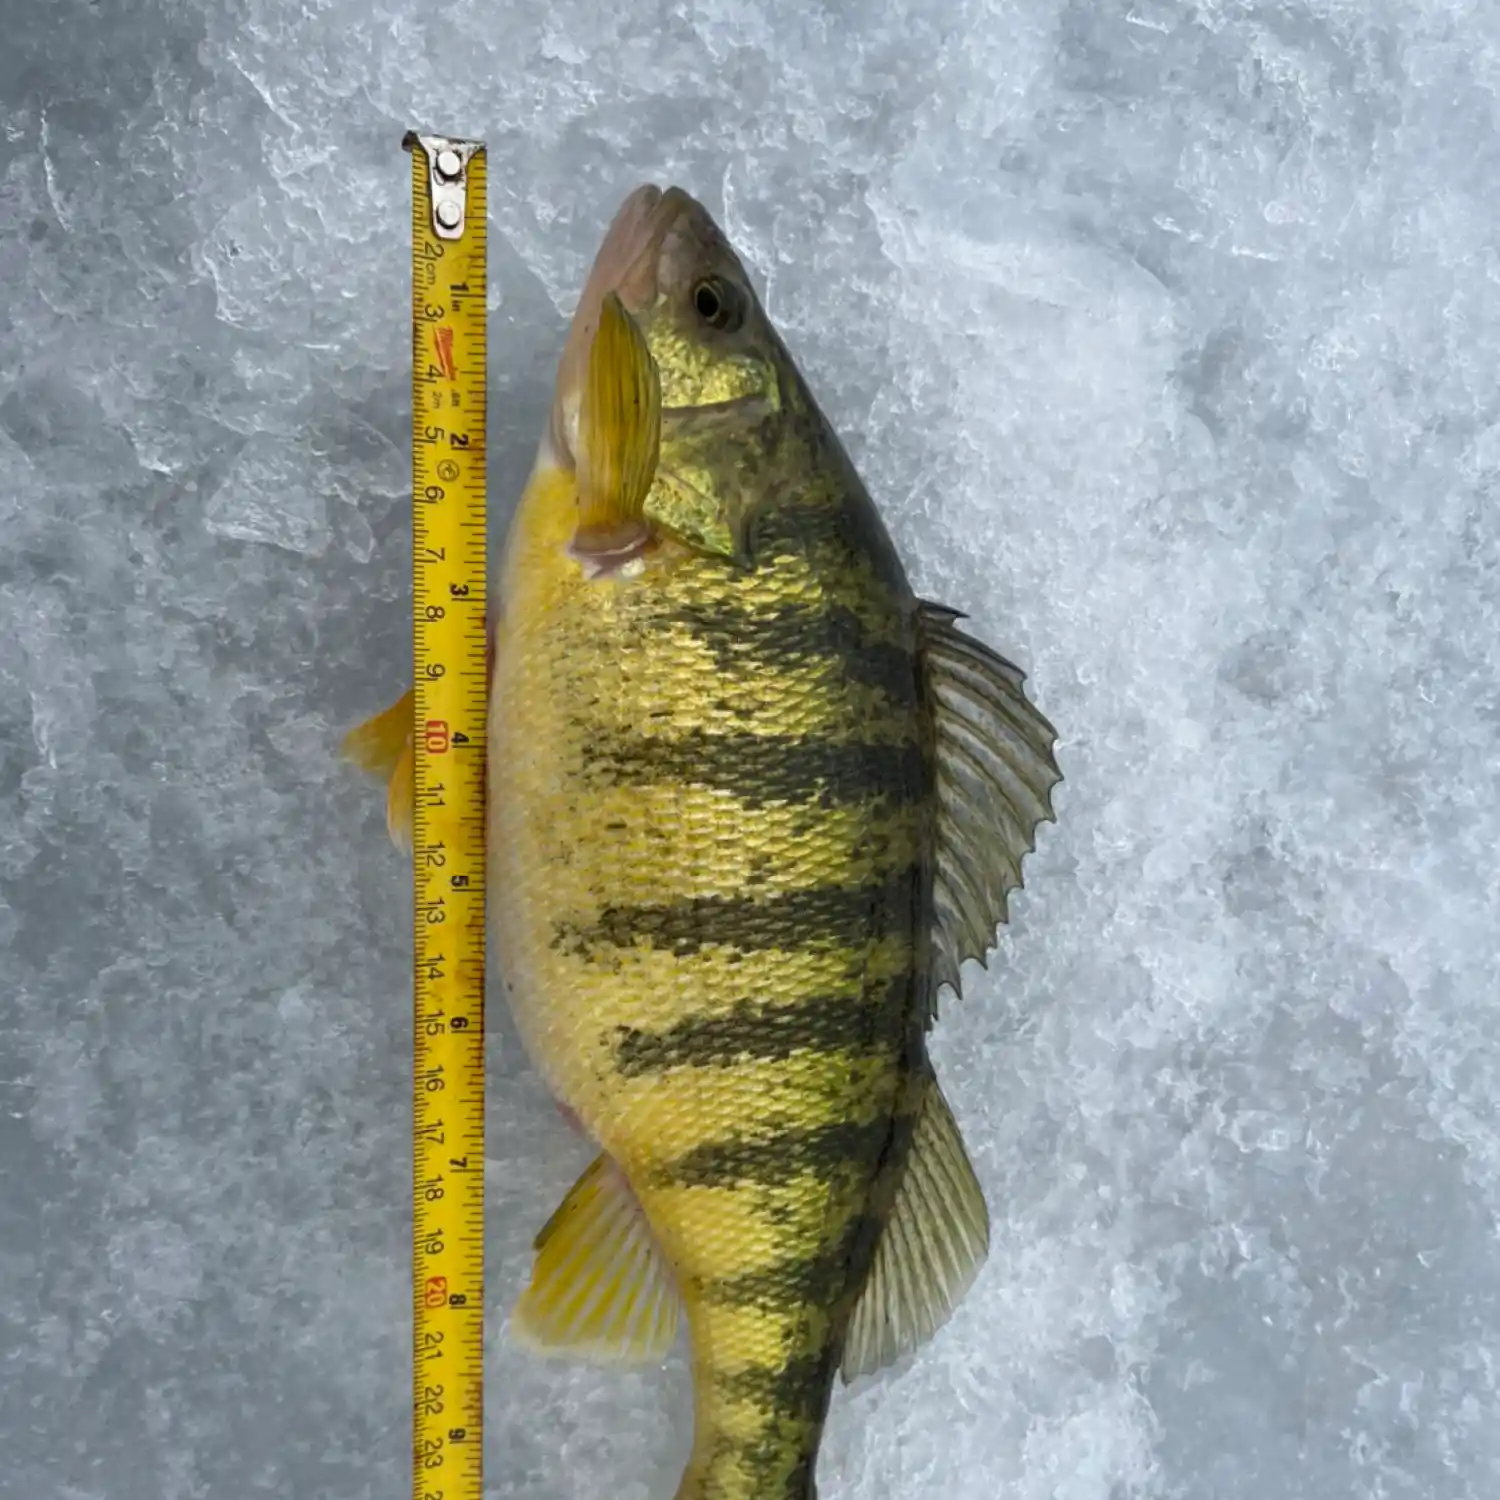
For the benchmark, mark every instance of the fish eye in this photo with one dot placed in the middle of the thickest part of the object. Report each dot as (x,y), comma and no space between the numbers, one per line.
(719,304)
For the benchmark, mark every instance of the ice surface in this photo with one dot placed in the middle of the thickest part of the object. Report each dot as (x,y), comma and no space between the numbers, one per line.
(1167,336)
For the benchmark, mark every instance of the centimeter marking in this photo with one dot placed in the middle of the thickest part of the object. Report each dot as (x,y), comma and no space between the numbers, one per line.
(448,826)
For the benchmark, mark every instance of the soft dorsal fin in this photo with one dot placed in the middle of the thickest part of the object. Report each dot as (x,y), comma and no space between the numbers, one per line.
(600,1288)
(995,775)
(930,1251)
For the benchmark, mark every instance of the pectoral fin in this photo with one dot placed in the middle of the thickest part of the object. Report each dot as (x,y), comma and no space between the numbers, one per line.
(619,433)
(382,746)
(929,1252)
(600,1288)
(995,775)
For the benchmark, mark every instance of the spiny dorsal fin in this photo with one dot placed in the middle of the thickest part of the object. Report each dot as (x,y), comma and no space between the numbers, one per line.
(619,435)
(600,1288)
(995,775)
(382,746)
(930,1250)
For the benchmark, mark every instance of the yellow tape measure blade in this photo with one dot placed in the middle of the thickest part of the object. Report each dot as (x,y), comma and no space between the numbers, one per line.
(448,852)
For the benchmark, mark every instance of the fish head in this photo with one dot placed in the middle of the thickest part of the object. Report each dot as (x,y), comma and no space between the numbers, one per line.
(721,367)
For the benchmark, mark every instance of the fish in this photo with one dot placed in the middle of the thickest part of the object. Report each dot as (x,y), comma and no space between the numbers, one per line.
(752,804)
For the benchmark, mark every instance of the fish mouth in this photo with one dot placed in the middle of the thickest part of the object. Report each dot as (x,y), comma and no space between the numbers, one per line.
(626,252)
(627,260)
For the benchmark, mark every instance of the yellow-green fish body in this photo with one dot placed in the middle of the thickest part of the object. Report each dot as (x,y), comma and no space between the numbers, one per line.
(709,818)
(751,804)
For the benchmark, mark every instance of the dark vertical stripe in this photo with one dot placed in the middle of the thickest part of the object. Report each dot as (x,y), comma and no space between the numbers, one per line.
(758,769)
(761,1031)
(843,915)
(773,1465)
(741,635)
(776,1158)
(797,1390)
(792,1401)
(819,1277)
(824,1275)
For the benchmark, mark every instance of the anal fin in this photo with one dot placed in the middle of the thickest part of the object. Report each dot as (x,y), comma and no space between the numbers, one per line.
(600,1288)
(930,1251)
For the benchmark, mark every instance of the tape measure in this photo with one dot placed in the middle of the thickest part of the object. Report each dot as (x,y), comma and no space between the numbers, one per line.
(448,824)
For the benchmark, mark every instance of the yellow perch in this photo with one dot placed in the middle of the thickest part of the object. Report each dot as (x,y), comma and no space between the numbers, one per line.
(752,804)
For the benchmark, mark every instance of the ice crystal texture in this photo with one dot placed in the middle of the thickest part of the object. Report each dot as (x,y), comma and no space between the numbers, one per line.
(1167,335)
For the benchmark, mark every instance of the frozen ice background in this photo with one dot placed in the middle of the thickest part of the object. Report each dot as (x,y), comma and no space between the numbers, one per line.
(1165,334)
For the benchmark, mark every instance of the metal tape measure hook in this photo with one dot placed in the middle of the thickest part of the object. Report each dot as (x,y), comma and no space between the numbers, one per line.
(448,177)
